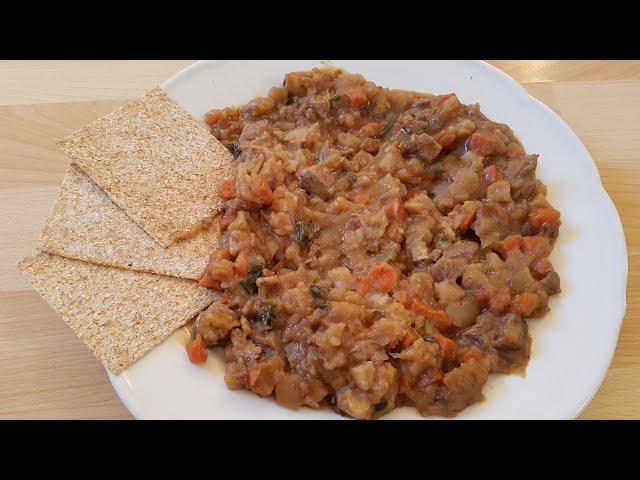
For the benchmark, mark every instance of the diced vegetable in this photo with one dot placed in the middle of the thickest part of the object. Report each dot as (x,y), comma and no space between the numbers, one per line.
(492,174)
(249,283)
(472,353)
(362,197)
(381,277)
(439,317)
(197,352)
(409,338)
(395,210)
(234,149)
(439,100)
(215,117)
(355,97)
(499,301)
(483,143)
(466,220)
(435,169)
(387,129)
(207,281)
(447,346)
(445,138)
(265,314)
(319,296)
(534,245)
(402,297)
(299,234)
(511,243)
(525,303)
(228,190)
(542,267)
(544,216)
(430,376)
(372,129)
(260,189)
(515,151)
(241,264)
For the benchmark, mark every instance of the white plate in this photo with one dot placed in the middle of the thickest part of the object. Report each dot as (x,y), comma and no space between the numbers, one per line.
(572,345)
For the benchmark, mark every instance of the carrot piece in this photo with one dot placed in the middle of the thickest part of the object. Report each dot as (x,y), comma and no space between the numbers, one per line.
(473,352)
(241,264)
(362,197)
(445,138)
(525,303)
(372,129)
(482,294)
(410,337)
(542,267)
(381,277)
(395,210)
(225,222)
(466,219)
(483,143)
(385,275)
(402,297)
(511,243)
(207,281)
(499,301)
(535,245)
(544,216)
(196,351)
(439,317)
(441,98)
(515,151)
(429,377)
(228,190)
(492,174)
(447,346)
(365,285)
(420,308)
(355,97)
(215,117)
(260,189)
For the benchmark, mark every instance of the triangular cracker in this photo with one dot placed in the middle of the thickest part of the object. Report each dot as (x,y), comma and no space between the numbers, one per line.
(86,225)
(156,162)
(120,314)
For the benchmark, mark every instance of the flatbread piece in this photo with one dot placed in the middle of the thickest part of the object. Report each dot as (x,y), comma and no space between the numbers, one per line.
(156,162)
(119,314)
(86,225)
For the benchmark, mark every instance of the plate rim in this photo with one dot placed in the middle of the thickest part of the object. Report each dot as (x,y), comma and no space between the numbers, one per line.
(613,219)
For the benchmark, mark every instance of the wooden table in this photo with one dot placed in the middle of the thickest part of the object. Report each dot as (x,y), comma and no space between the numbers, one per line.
(46,372)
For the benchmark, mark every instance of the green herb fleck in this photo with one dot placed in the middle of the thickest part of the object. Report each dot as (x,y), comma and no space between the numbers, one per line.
(299,233)
(350,178)
(435,169)
(234,149)
(266,314)
(249,282)
(444,238)
(319,295)
(429,339)
(387,128)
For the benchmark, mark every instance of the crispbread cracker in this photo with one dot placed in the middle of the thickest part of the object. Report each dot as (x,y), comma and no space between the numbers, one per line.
(120,314)
(86,225)
(156,162)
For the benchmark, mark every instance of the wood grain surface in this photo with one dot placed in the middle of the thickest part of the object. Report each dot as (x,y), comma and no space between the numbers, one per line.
(46,372)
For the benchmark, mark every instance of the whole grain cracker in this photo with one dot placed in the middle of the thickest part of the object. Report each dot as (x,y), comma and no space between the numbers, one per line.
(156,162)
(119,314)
(85,224)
